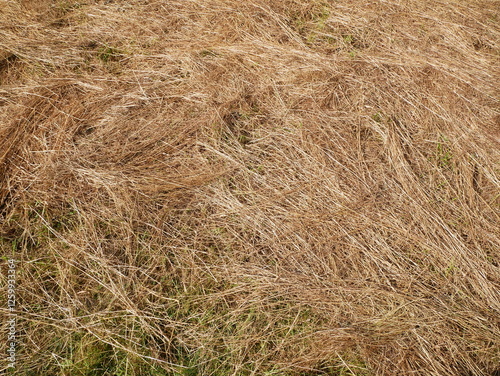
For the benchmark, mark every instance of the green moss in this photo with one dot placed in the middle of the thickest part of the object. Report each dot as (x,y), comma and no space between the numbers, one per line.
(208,53)
(443,154)
(377,117)
(107,53)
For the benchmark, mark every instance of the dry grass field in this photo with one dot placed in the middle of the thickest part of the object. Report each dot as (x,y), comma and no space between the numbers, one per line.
(251,187)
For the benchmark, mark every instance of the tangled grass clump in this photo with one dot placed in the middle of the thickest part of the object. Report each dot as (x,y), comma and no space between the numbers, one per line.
(264,187)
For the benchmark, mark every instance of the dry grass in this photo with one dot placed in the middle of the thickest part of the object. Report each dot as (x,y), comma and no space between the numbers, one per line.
(262,187)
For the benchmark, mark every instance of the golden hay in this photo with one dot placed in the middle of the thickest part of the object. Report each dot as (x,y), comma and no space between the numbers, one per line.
(263,187)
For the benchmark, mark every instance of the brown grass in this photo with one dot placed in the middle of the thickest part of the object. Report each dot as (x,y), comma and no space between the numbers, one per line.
(262,187)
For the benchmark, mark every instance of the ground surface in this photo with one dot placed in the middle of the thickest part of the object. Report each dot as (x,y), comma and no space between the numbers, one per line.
(261,187)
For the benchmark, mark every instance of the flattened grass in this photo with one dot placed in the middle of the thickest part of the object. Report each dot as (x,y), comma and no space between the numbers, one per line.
(252,188)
